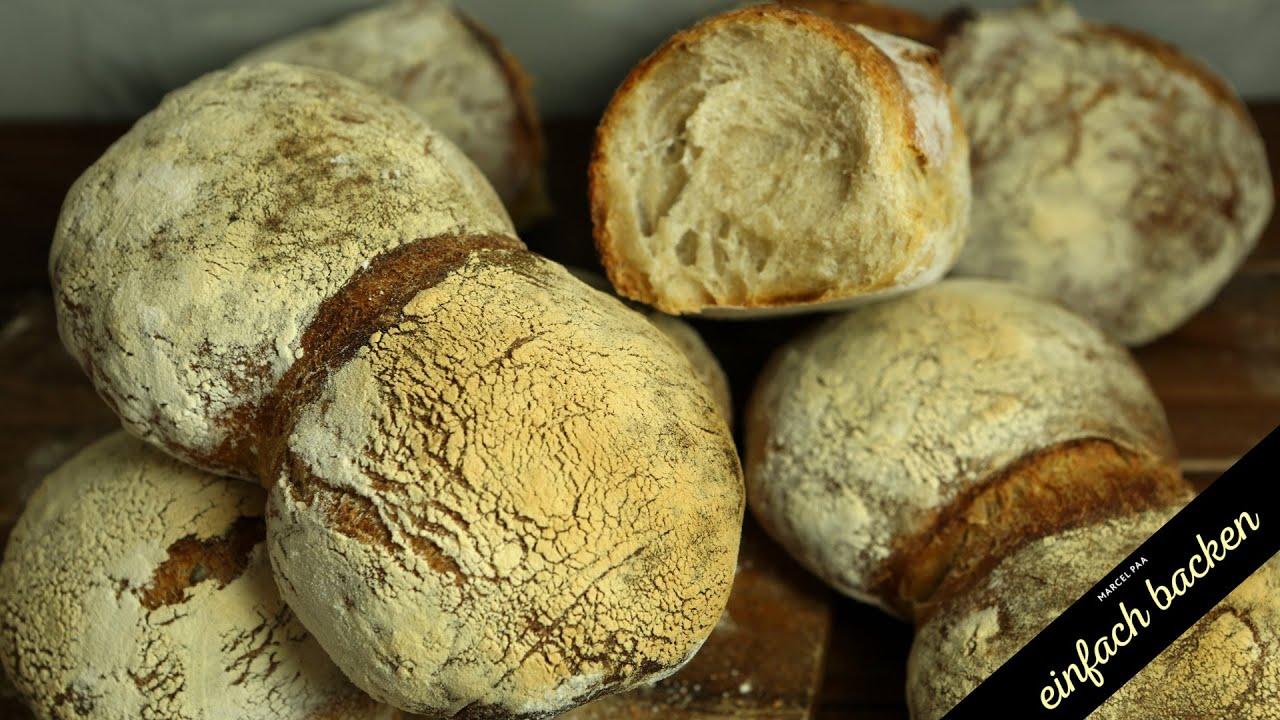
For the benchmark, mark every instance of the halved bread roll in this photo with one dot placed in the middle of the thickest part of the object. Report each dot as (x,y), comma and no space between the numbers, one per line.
(772,160)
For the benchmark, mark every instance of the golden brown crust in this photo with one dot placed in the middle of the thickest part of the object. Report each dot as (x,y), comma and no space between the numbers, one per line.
(885,18)
(1067,485)
(880,73)
(529,150)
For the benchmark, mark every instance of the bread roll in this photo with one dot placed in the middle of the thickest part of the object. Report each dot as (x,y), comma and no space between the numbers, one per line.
(1226,666)
(137,587)
(511,522)
(769,160)
(705,365)
(190,258)
(452,72)
(1110,171)
(883,444)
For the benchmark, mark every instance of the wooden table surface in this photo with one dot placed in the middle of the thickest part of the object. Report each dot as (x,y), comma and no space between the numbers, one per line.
(1218,376)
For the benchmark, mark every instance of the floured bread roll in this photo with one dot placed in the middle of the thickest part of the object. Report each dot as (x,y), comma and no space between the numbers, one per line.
(705,365)
(495,491)
(1109,170)
(190,258)
(772,160)
(1227,665)
(513,496)
(137,587)
(452,72)
(882,445)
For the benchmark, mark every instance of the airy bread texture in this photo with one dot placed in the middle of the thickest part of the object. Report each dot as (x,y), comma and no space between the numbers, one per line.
(1227,665)
(769,160)
(190,258)
(878,443)
(452,72)
(511,522)
(1110,171)
(137,587)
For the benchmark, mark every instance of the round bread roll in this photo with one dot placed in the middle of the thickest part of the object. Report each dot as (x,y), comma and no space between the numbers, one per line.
(770,160)
(137,587)
(883,445)
(452,72)
(1110,171)
(190,258)
(511,522)
(1226,666)
(495,492)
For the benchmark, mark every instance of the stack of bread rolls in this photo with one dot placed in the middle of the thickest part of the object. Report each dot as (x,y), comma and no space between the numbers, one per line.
(491,491)
(386,460)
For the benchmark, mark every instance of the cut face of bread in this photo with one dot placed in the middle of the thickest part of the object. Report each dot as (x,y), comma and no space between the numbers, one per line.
(770,158)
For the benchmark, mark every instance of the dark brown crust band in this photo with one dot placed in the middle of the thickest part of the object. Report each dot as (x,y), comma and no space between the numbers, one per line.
(371,301)
(1047,491)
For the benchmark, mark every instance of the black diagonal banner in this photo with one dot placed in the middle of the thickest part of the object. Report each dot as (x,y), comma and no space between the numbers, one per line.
(1134,612)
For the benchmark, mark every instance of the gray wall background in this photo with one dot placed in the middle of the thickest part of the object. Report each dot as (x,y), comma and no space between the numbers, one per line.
(113,59)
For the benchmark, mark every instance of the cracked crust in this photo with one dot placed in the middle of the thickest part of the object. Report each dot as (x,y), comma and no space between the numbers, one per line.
(1226,665)
(451,71)
(511,522)
(685,183)
(189,260)
(1110,171)
(137,587)
(872,432)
